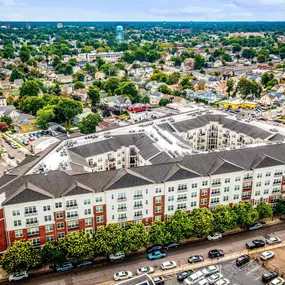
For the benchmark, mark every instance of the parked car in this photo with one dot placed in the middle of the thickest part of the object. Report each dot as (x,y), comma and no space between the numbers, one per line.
(117,256)
(208,271)
(4,150)
(168,265)
(156,255)
(172,245)
(144,270)
(158,280)
(277,281)
(18,277)
(122,275)
(267,277)
(154,248)
(13,145)
(214,278)
(214,236)
(273,240)
(64,267)
(223,281)
(194,278)
(255,226)
(195,259)
(183,275)
(255,244)
(25,142)
(31,139)
(267,255)
(84,264)
(11,155)
(242,260)
(202,282)
(215,253)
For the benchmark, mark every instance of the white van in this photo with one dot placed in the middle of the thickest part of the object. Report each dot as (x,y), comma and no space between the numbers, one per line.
(194,278)
(202,282)
(117,256)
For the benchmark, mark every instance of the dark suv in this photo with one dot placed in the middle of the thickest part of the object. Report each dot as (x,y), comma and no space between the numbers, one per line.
(267,277)
(242,260)
(255,244)
(215,253)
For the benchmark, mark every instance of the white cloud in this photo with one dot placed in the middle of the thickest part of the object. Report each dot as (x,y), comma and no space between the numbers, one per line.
(7,2)
(257,3)
(230,5)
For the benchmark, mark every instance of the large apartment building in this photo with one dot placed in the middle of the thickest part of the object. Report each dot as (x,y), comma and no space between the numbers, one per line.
(139,173)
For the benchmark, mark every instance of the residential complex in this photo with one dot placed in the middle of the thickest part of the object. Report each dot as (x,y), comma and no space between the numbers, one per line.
(141,173)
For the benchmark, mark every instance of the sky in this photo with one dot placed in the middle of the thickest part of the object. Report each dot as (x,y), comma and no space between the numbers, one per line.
(142,10)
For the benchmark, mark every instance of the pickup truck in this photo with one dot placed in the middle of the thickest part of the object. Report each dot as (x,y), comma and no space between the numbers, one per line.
(255,244)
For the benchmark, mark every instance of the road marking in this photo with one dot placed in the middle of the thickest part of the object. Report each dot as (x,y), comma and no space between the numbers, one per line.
(253,269)
(257,278)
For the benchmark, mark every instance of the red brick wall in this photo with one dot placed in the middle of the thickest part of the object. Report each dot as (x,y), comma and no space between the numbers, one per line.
(104,214)
(162,204)
(207,196)
(3,238)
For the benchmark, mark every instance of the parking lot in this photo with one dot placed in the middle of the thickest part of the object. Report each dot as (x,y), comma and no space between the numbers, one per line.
(248,274)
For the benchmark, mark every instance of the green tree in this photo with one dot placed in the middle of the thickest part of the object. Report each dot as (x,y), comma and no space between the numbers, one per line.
(225,218)
(112,84)
(163,102)
(163,88)
(16,74)
(31,104)
(266,77)
(6,119)
(56,61)
(279,208)
(68,70)
(88,124)
(72,61)
(199,61)
(261,58)
(173,78)
(230,86)
(94,95)
(19,257)
(79,76)
(78,85)
(158,233)
(24,54)
(264,210)
(129,89)
(247,215)
(29,88)
(44,117)
(203,222)
(53,252)
(68,109)
(145,99)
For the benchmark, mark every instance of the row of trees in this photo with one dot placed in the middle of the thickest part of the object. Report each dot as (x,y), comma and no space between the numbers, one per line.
(80,246)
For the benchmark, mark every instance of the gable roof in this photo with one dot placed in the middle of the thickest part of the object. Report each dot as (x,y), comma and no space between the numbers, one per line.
(178,172)
(222,166)
(77,188)
(262,161)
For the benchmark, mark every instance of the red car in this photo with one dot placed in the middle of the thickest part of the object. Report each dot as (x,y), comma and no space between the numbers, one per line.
(31,139)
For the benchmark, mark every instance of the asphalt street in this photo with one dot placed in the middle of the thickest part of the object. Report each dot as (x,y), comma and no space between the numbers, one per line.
(104,273)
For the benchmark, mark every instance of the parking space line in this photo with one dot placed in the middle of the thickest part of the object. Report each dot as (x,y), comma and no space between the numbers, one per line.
(257,278)
(253,269)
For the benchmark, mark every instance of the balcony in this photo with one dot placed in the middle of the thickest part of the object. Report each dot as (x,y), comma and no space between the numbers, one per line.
(245,198)
(122,219)
(278,174)
(122,199)
(71,207)
(276,193)
(247,178)
(182,209)
(136,217)
(216,184)
(122,209)
(182,199)
(32,224)
(33,234)
(138,207)
(277,183)
(247,186)
(31,214)
(72,217)
(215,194)
(182,190)
(137,197)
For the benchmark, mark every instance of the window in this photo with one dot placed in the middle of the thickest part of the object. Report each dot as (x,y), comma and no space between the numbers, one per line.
(259,175)
(157,200)
(138,214)
(216,182)
(157,218)
(100,167)
(99,209)
(71,204)
(267,182)
(99,219)
(30,210)
(226,198)
(122,196)
(121,207)
(138,204)
(48,229)
(87,212)
(170,208)
(265,200)
(237,187)
(266,191)
(17,223)
(48,218)
(170,198)
(157,190)
(170,189)
(35,241)
(60,235)
(276,190)
(60,226)
(258,184)
(257,193)
(72,214)
(58,205)
(194,185)
(49,238)
(215,192)
(16,213)
(73,224)
(158,209)
(237,179)
(227,189)
(88,222)
(277,181)
(227,180)
(193,204)
(59,215)
(18,233)
(182,187)
(204,183)
(204,192)
(33,231)
(215,200)
(138,194)
(181,206)
(236,196)
(204,201)
(193,194)
(246,194)
(268,174)
(87,202)
(32,221)
(46,208)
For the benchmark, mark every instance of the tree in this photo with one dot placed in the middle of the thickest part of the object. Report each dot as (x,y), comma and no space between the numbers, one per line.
(264,210)
(24,54)
(236,48)
(261,58)
(135,236)
(44,117)
(16,74)
(203,222)
(279,208)
(248,53)
(230,86)
(163,88)
(29,88)
(266,78)
(145,99)
(163,102)
(94,95)
(19,257)
(79,76)
(111,85)
(177,60)
(158,233)
(79,246)
(68,70)
(88,124)
(173,78)
(247,87)
(129,89)
(31,104)
(72,61)
(225,218)
(56,61)
(68,109)
(246,214)
(78,85)
(53,252)
(199,61)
